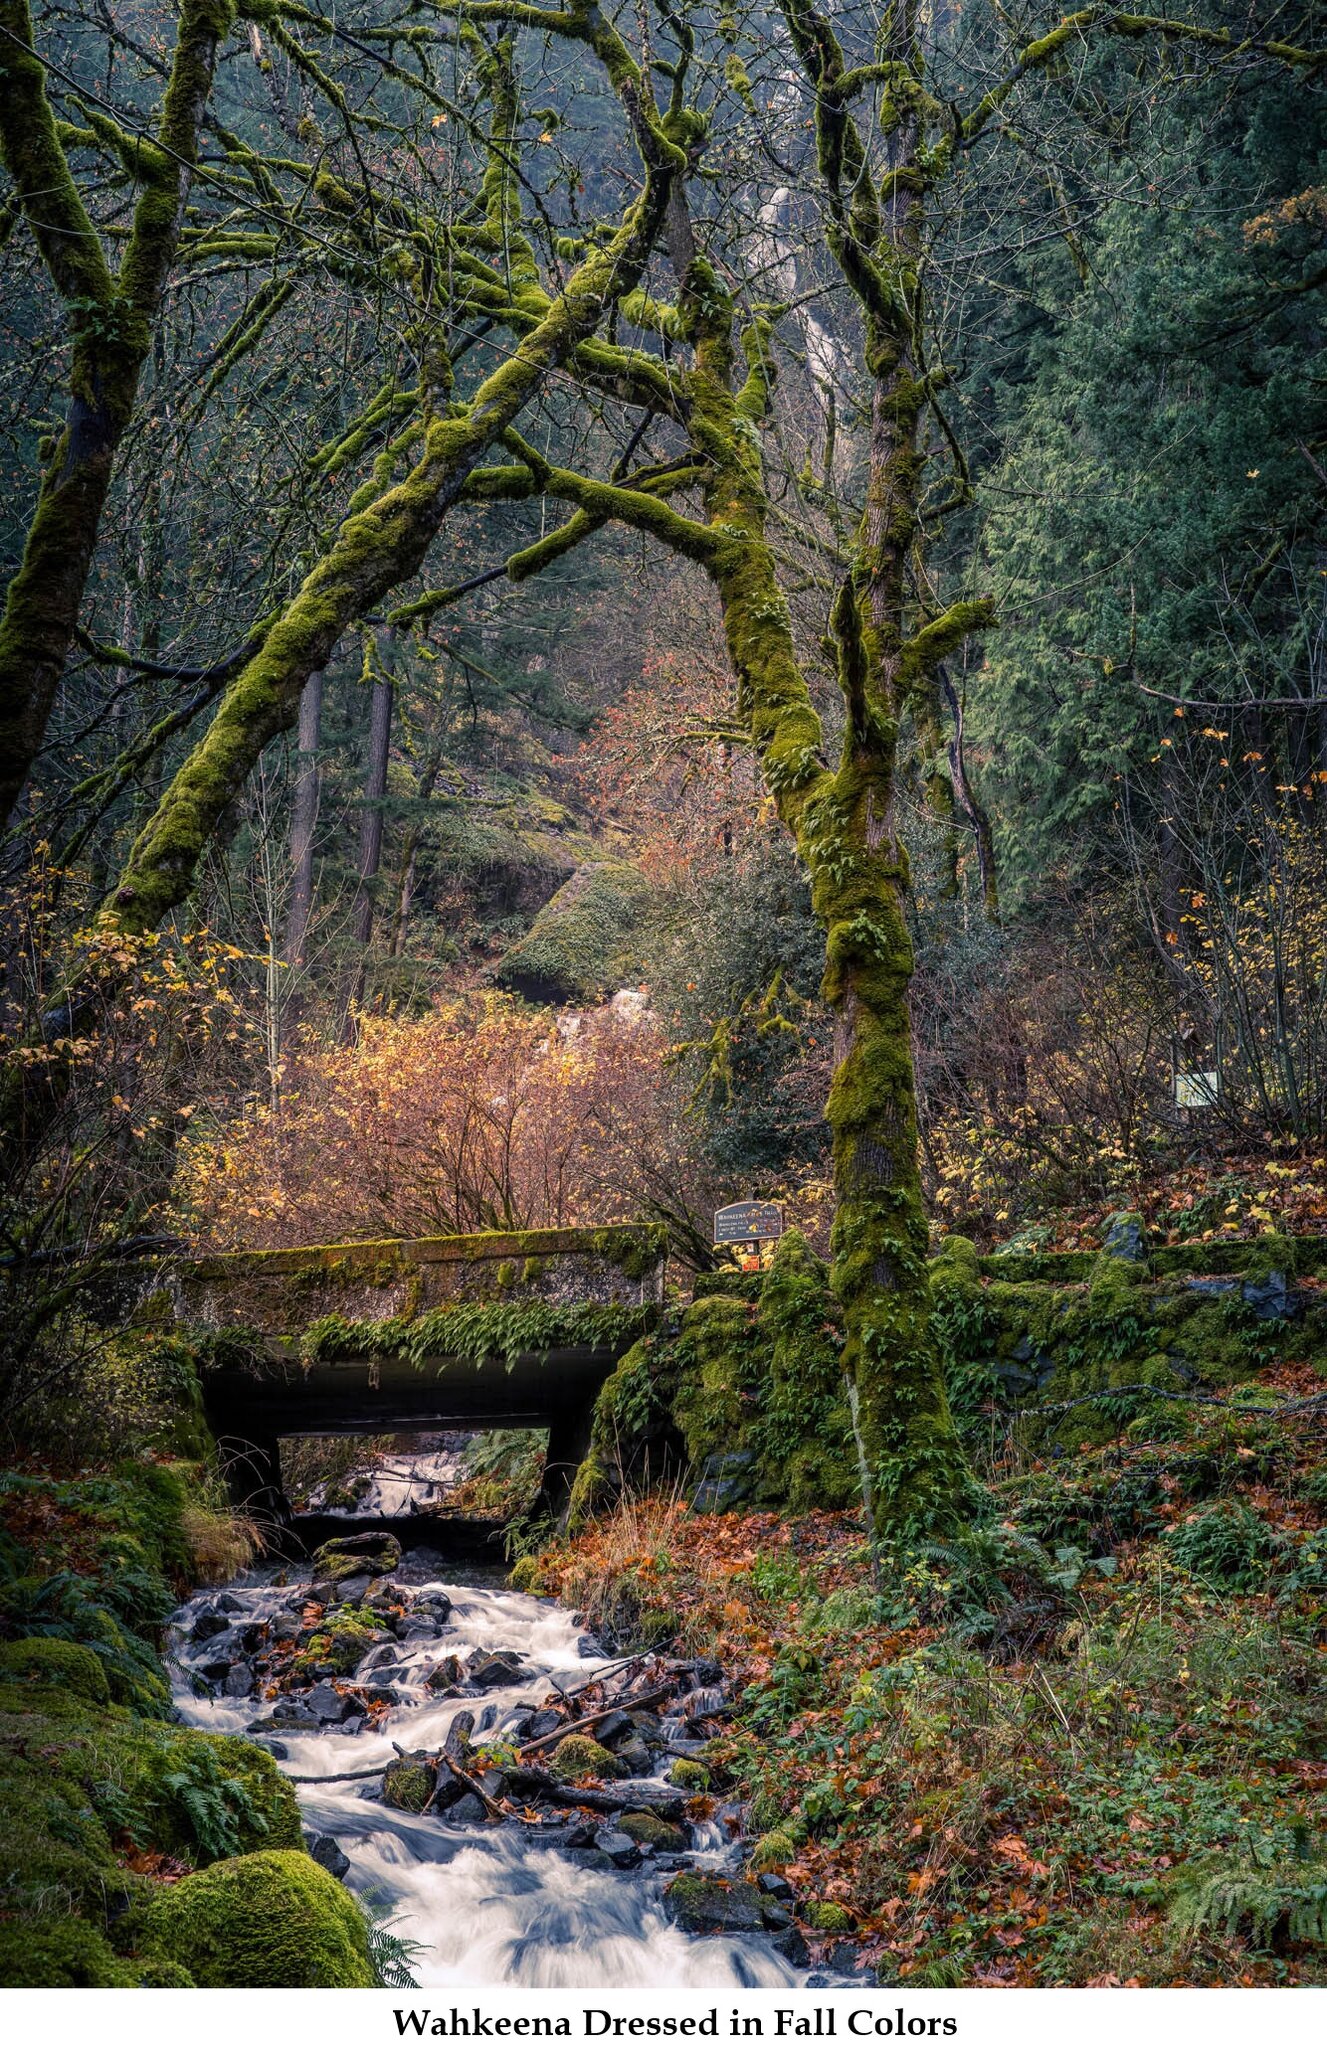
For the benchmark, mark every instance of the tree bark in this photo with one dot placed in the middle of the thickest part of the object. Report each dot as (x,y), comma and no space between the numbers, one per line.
(370,843)
(304,823)
(380,545)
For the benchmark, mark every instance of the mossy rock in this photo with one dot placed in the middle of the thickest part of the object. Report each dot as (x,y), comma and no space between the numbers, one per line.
(580,1756)
(64,1954)
(700,1902)
(525,1576)
(407,1785)
(271,1920)
(350,1557)
(650,1831)
(585,941)
(73,1776)
(342,1642)
(688,1775)
(829,1917)
(44,1660)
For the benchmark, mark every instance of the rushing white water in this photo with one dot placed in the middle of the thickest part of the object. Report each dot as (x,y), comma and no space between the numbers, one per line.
(487,1904)
(399,1483)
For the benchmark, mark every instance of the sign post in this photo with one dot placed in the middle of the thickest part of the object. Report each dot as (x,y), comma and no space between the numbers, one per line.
(745,1226)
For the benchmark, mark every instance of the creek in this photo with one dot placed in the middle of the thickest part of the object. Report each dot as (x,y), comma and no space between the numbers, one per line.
(486,1902)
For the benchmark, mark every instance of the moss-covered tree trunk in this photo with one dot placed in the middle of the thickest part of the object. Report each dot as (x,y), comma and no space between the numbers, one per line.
(913,1471)
(111,320)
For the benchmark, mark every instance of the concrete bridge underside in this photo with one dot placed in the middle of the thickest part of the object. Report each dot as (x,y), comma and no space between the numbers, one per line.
(266,1388)
(249,1412)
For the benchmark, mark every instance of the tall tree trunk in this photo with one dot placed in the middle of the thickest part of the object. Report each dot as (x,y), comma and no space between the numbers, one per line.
(304,823)
(370,841)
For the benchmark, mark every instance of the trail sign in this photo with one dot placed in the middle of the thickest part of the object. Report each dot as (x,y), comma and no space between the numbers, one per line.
(1198,1090)
(748,1222)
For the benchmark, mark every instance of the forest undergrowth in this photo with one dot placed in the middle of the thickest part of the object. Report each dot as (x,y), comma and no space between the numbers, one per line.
(1085,1742)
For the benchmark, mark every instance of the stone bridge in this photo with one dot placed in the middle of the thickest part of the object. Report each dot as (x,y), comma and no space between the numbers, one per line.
(502,1330)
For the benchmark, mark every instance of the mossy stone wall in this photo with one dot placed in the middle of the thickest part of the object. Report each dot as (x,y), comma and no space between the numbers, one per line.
(744,1393)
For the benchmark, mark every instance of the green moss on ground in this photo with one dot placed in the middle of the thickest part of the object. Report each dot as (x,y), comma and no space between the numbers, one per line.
(746,1392)
(96,1783)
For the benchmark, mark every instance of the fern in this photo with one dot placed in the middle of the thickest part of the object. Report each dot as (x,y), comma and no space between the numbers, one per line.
(216,1810)
(476,1331)
(392,1957)
(1257,1893)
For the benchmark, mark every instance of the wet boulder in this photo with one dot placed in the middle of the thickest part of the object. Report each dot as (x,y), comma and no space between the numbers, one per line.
(207,1624)
(328,1704)
(387,1593)
(467,1812)
(635,1756)
(238,1682)
(614,1729)
(790,1943)
(490,1669)
(328,1853)
(546,1722)
(700,1903)
(439,1605)
(448,1789)
(621,1849)
(291,1714)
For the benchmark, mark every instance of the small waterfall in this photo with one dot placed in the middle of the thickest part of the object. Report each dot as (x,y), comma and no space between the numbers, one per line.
(487,1903)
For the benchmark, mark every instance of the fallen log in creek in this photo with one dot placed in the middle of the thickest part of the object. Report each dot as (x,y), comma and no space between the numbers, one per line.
(632,1703)
(618,1798)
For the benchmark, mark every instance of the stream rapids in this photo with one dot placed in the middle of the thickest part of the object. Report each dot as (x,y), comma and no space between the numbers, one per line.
(485,1903)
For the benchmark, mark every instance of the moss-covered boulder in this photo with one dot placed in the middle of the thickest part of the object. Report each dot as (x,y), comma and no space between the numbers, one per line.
(45,1660)
(688,1775)
(270,1920)
(63,1953)
(648,1831)
(351,1557)
(340,1644)
(701,1903)
(580,1756)
(586,939)
(407,1785)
